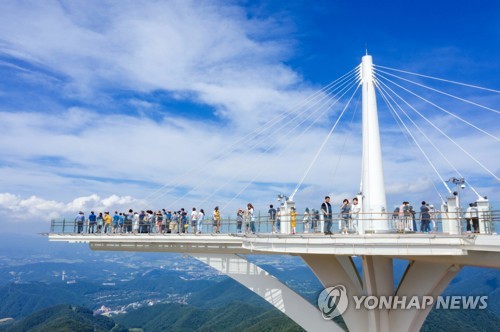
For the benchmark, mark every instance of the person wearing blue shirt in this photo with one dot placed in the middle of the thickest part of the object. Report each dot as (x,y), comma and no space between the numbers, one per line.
(92,222)
(121,222)
(116,219)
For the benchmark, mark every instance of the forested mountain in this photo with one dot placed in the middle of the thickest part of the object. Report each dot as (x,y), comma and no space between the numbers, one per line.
(236,316)
(64,318)
(21,300)
(461,320)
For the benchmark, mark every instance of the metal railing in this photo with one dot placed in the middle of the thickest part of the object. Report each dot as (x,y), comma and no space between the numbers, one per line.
(441,223)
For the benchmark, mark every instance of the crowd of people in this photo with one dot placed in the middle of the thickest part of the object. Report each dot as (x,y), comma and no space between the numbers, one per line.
(405,218)
(196,221)
(146,221)
(161,222)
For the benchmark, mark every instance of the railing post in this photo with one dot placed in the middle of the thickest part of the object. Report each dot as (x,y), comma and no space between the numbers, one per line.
(258,227)
(64,225)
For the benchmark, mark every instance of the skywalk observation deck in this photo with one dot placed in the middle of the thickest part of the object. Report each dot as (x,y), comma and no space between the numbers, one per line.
(467,248)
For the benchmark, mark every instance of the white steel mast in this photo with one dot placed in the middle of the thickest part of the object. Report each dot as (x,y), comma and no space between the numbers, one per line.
(372,186)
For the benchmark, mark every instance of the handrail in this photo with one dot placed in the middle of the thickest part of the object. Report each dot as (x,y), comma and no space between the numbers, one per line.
(440,223)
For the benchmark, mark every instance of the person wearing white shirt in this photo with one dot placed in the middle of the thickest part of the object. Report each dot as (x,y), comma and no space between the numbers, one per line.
(194,220)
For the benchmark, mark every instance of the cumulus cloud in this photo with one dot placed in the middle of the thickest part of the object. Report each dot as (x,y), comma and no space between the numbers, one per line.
(36,208)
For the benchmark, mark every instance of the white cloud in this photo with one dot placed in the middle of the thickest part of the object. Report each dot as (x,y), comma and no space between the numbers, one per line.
(209,49)
(36,208)
(129,163)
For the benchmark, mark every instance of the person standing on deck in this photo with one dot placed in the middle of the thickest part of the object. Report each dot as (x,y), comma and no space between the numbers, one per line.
(345,212)
(239,220)
(272,218)
(107,222)
(216,220)
(306,220)
(158,221)
(425,218)
(326,209)
(92,222)
(355,211)
(201,218)
(79,220)
(100,222)
(250,211)
(135,224)
(194,220)
(293,220)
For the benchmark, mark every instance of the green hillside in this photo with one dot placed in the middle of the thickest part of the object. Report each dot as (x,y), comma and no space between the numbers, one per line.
(64,318)
(233,317)
(237,316)
(21,300)
(461,321)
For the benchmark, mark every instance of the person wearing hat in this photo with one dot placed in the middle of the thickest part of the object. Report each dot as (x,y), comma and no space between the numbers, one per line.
(79,220)
(159,221)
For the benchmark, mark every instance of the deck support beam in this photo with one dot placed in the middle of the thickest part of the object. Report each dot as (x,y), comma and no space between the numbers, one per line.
(420,279)
(270,289)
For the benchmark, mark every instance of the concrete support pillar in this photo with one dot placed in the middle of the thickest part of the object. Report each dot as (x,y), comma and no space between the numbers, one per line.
(379,280)
(270,289)
(420,279)
(340,270)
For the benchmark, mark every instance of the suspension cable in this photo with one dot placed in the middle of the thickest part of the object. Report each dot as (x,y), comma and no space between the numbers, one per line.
(439,91)
(382,93)
(438,129)
(251,181)
(269,124)
(442,109)
(265,139)
(345,140)
(323,144)
(430,142)
(439,79)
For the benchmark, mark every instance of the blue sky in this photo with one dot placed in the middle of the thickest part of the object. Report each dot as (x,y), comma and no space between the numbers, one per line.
(106,105)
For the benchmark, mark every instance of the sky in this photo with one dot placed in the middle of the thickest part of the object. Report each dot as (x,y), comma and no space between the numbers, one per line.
(111,105)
